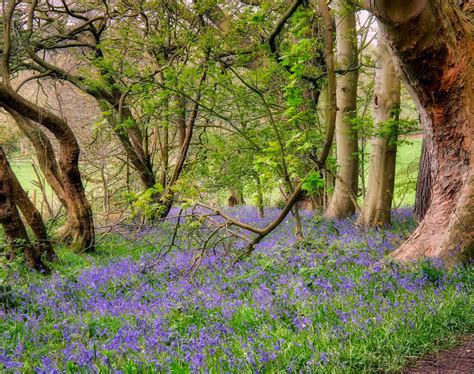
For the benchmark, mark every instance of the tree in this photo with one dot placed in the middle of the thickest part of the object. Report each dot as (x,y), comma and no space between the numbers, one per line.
(32,217)
(80,221)
(13,227)
(342,201)
(434,47)
(147,85)
(383,152)
(44,154)
(423,183)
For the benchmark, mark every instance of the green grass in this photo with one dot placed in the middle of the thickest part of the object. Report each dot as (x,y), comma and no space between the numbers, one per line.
(23,169)
(406,171)
(406,174)
(408,155)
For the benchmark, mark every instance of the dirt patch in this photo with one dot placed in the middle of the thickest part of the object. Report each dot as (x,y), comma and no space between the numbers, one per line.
(451,361)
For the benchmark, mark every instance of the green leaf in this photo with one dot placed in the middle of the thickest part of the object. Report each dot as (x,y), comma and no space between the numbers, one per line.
(313,183)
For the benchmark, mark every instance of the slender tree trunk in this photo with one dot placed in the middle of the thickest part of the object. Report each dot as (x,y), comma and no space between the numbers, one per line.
(260,205)
(298,223)
(166,199)
(165,157)
(423,183)
(341,204)
(328,171)
(44,197)
(181,120)
(383,152)
(433,43)
(13,227)
(32,217)
(44,154)
(106,204)
(133,149)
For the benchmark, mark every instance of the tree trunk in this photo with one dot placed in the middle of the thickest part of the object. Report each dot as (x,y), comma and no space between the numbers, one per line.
(32,217)
(14,230)
(383,151)
(44,153)
(298,224)
(260,204)
(434,46)
(235,198)
(166,199)
(79,211)
(131,145)
(423,183)
(311,203)
(181,120)
(341,204)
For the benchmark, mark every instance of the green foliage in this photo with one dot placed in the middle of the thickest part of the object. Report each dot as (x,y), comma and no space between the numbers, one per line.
(433,272)
(313,183)
(9,137)
(150,202)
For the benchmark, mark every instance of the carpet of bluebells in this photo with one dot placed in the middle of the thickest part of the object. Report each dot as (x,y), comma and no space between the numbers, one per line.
(323,304)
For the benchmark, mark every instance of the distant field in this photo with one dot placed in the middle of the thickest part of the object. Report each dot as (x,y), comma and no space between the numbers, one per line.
(408,155)
(405,184)
(23,169)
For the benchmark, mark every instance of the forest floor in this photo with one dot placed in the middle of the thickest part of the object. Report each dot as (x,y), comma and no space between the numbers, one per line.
(325,304)
(459,359)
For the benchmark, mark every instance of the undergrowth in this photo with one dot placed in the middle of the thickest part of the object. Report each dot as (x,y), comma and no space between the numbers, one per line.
(324,304)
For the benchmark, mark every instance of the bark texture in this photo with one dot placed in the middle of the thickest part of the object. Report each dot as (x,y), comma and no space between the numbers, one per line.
(383,151)
(433,44)
(235,198)
(423,183)
(342,201)
(44,154)
(13,227)
(79,211)
(32,217)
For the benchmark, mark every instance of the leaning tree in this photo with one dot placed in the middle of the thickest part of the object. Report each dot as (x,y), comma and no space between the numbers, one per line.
(433,44)
(13,228)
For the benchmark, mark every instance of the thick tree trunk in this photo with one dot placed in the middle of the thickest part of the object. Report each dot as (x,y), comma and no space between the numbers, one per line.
(434,46)
(423,183)
(47,163)
(14,230)
(341,204)
(383,151)
(79,211)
